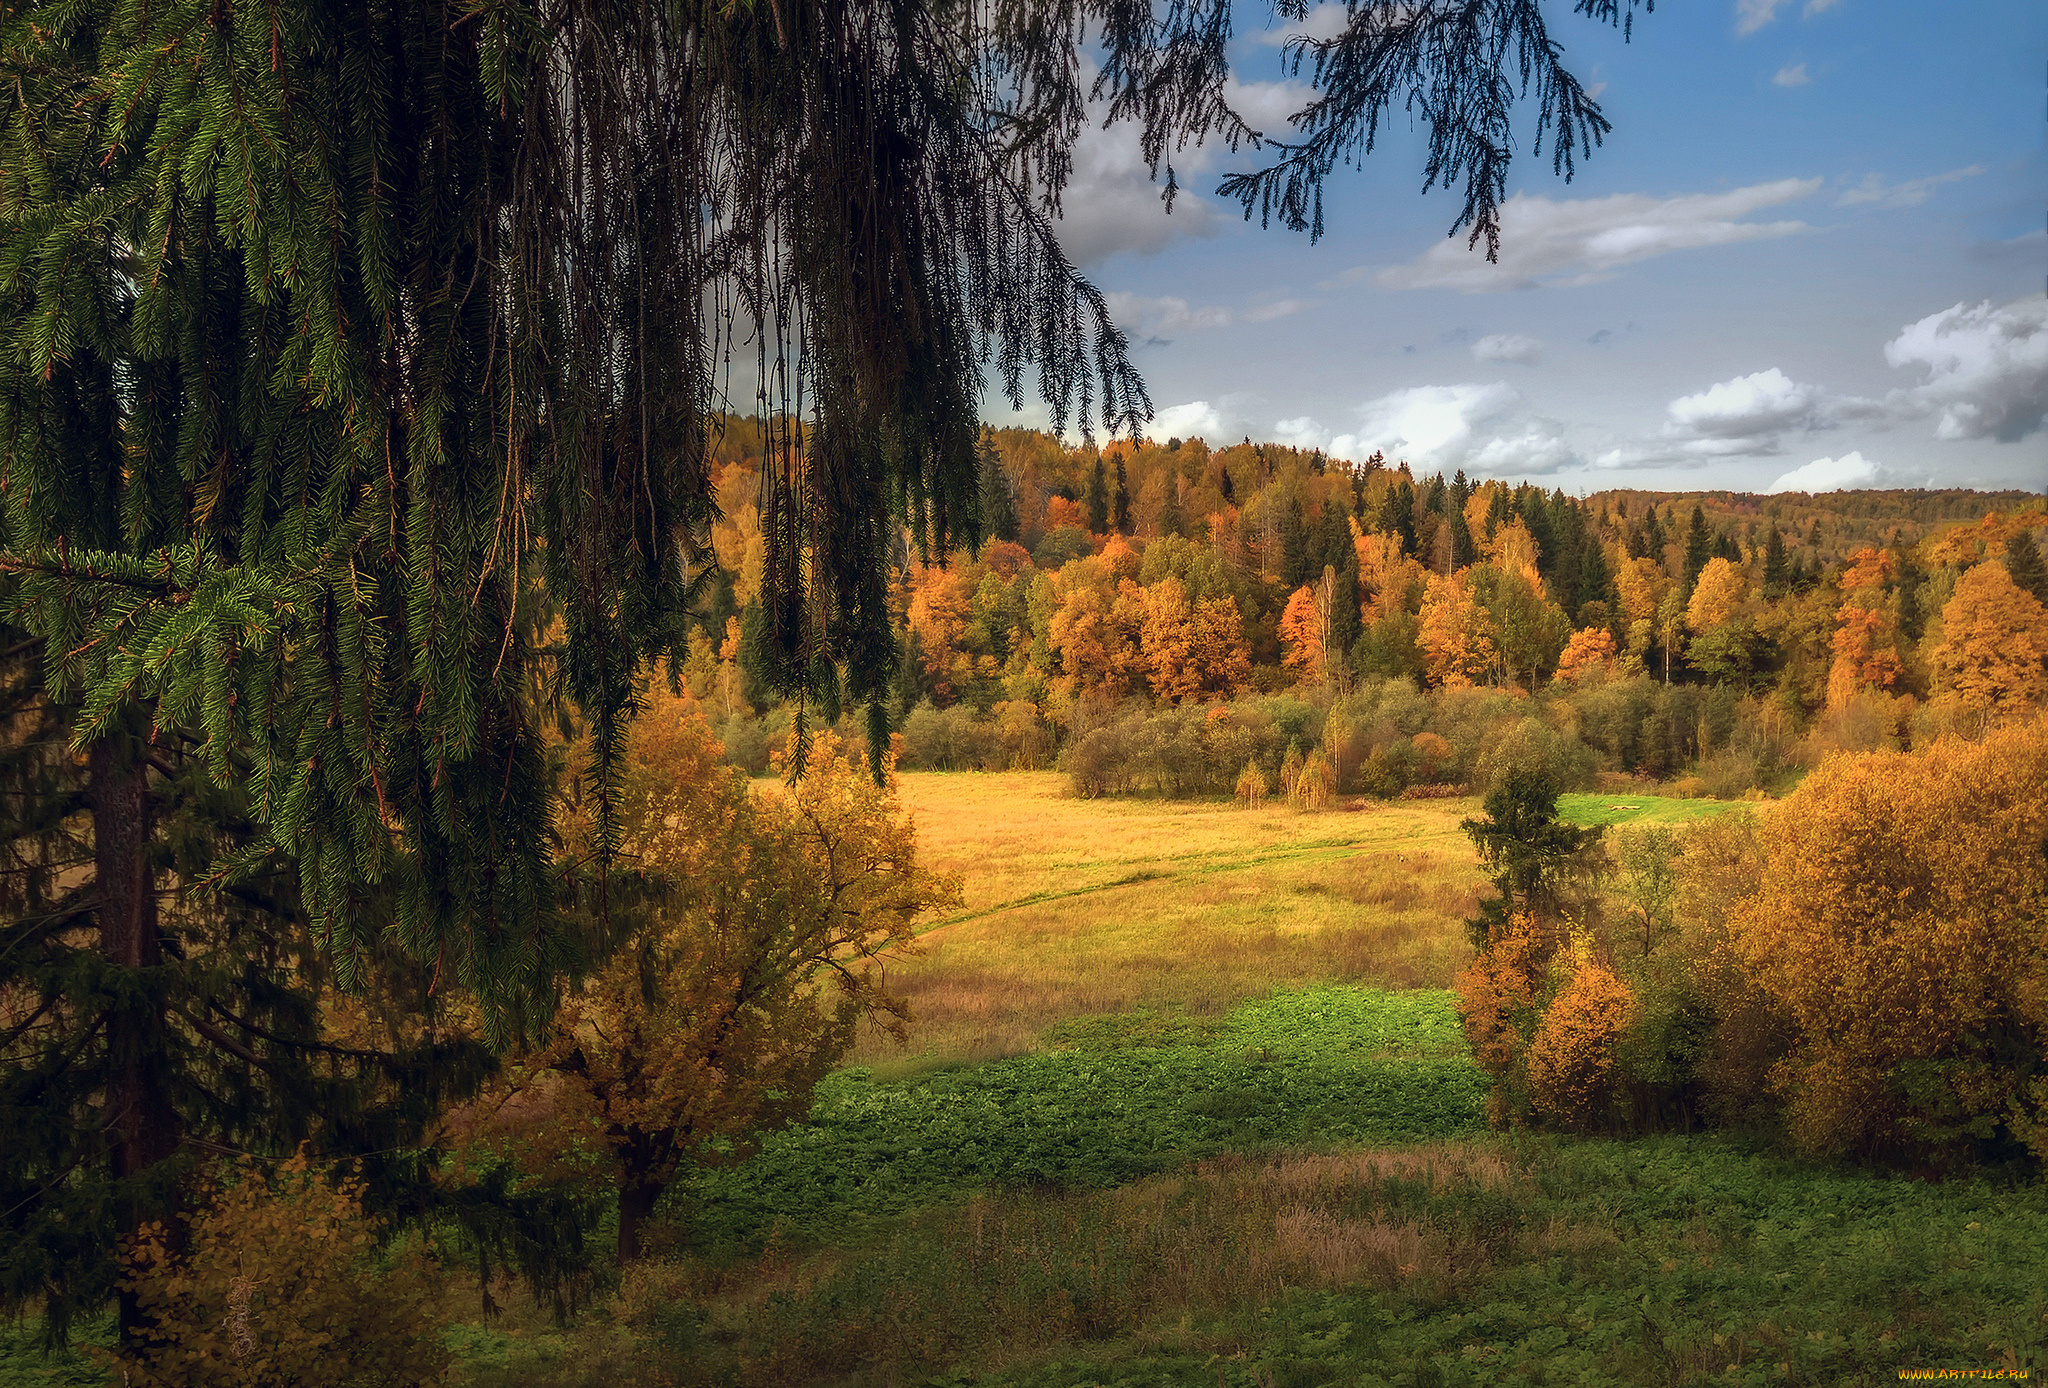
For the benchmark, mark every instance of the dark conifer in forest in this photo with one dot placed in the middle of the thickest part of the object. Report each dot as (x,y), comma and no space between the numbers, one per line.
(2023,562)
(1098,498)
(1776,576)
(1294,546)
(998,500)
(1699,547)
(1120,500)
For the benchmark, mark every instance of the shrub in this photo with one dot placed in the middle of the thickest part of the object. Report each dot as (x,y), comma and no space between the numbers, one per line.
(1898,922)
(1571,1055)
(279,1282)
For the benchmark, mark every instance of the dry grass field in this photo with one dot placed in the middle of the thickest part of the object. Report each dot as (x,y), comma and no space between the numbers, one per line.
(1083,907)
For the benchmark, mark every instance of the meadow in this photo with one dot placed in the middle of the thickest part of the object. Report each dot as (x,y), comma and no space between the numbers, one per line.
(1187,1102)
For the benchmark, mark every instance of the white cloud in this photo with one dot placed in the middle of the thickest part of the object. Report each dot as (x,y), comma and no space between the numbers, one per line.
(1752,15)
(1143,317)
(1814,7)
(1112,205)
(1793,76)
(1846,473)
(1538,449)
(1266,106)
(1432,424)
(1197,419)
(1874,190)
(1579,242)
(1508,347)
(1743,415)
(1987,368)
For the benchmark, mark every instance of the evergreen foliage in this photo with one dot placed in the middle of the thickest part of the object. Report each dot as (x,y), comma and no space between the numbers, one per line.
(1529,853)
(363,373)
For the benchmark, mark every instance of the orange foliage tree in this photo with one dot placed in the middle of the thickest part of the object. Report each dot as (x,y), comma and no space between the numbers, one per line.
(1898,921)
(713,1023)
(1457,636)
(1994,642)
(1305,628)
(1866,638)
(1588,652)
(1192,650)
(1571,1055)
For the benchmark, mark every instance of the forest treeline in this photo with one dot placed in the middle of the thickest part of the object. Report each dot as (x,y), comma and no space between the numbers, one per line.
(1160,616)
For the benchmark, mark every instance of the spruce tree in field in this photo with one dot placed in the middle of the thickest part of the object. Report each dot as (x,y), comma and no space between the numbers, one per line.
(361,368)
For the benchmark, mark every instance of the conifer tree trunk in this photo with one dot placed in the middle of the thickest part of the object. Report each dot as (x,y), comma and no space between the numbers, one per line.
(140,1122)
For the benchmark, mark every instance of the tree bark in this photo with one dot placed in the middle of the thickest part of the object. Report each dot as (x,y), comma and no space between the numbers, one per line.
(140,1120)
(637,1200)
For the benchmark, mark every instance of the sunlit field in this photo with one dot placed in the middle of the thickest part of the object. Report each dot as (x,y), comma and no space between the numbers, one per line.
(1080,907)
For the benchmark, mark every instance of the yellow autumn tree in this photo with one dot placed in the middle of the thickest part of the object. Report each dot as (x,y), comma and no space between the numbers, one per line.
(1716,597)
(712,1024)
(1994,642)
(1513,550)
(1571,1055)
(1641,585)
(1897,920)
(276,1277)
(1456,635)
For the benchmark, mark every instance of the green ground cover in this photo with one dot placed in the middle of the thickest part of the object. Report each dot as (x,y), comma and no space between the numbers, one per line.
(1586,808)
(1113,1099)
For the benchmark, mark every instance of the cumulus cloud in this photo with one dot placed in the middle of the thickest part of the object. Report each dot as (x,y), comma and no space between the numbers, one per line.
(1987,368)
(1508,347)
(1433,424)
(1743,415)
(1112,205)
(1197,419)
(1846,473)
(1793,76)
(1874,191)
(1480,427)
(1546,241)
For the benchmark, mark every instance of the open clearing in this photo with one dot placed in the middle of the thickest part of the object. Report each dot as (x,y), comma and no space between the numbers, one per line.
(1082,907)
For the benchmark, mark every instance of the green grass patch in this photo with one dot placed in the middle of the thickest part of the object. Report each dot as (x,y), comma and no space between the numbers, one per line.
(1639,809)
(1117,1099)
(1662,1261)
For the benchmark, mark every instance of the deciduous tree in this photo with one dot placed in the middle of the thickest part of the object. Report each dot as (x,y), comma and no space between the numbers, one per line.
(1994,642)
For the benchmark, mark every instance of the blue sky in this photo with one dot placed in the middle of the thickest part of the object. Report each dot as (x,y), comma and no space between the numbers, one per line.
(1811,254)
